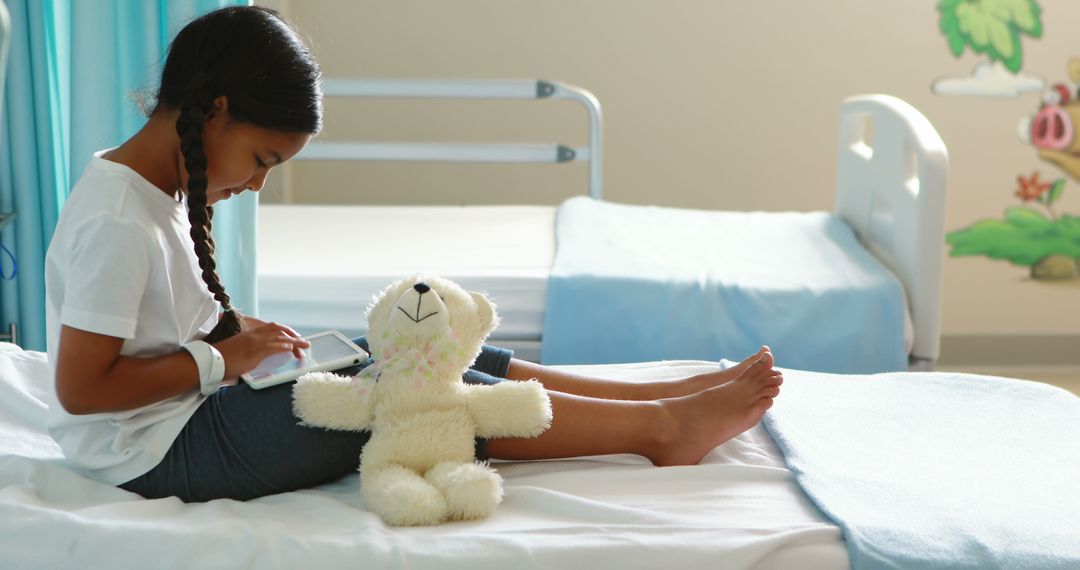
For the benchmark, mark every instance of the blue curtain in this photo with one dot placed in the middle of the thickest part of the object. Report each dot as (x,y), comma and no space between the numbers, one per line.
(76,69)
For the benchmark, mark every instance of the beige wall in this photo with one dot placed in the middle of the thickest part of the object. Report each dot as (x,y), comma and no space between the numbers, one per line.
(707,104)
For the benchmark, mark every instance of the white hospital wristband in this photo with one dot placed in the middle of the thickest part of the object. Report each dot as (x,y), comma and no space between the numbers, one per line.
(211,365)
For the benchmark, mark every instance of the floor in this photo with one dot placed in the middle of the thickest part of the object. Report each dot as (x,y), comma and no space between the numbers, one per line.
(1063,377)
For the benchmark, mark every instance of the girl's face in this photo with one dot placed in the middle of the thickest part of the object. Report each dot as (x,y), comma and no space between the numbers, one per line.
(240,155)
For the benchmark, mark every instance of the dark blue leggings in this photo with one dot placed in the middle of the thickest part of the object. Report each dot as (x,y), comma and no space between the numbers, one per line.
(242,443)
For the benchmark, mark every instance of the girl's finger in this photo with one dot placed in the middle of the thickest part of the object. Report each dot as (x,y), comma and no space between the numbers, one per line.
(279,347)
(292,332)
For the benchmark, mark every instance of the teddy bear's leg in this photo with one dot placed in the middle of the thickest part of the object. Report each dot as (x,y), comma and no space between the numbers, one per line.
(472,490)
(401,496)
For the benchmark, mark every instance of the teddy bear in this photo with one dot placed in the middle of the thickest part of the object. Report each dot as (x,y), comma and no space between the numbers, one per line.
(419,466)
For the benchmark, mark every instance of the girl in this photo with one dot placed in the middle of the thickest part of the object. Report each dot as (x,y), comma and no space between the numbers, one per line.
(138,319)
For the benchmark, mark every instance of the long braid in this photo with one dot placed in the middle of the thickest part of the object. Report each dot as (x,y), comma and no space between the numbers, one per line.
(254,58)
(195,105)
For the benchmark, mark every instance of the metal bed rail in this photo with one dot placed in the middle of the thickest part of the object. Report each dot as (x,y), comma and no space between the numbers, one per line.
(461,152)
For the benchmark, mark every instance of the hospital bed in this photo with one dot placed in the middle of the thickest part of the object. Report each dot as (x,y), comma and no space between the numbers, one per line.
(890,190)
(740,506)
(879,471)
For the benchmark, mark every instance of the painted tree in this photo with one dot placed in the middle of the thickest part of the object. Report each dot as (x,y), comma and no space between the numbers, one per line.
(991,27)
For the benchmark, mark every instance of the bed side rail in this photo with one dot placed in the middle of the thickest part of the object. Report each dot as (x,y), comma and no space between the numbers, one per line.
(891,179)
(460,152)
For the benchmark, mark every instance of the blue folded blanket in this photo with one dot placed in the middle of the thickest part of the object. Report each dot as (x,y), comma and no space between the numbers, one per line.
(636,283)
(935,470)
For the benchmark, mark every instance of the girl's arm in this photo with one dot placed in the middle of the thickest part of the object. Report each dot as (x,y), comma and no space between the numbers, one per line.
(92,377)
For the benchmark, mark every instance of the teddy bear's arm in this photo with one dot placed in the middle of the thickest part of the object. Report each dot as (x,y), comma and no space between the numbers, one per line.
(324,399)
(510,409)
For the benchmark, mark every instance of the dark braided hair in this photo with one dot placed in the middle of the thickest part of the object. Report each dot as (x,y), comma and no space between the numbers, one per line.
(251,55)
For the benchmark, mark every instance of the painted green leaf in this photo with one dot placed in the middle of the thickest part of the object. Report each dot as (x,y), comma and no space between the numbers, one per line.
(948,6)
(1070,225)
(956,43)
(949,26)
(1023,238)
(1026,218)
(973,23)
(1015,59)
(1025,16)
(1000,38)
(953,36)
(1055,191)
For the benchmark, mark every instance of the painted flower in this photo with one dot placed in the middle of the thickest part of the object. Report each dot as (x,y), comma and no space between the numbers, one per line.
(1031,188)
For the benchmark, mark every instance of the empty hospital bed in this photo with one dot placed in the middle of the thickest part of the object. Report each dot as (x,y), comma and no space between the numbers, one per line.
(891,175)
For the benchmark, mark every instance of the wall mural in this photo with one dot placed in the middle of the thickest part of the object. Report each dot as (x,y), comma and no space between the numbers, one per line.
(992,28)
(1032,234)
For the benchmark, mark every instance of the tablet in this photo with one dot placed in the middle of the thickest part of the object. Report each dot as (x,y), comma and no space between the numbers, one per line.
(329,350)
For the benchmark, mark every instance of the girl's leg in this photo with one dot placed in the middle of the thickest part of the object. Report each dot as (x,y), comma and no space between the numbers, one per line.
(668,431)
(243,443)
(561,381)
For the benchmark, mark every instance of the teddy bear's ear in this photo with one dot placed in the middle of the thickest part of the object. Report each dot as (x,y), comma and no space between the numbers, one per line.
(485,312)
(383,302)
(379,305)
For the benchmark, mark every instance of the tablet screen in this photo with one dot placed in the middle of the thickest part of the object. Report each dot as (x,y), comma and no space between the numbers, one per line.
(323,348)
(329,347)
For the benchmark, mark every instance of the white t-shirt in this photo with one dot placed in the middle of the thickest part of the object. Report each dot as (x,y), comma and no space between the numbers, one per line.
(122,263)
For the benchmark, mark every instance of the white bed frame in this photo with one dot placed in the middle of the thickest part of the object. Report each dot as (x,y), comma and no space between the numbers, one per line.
(891,174)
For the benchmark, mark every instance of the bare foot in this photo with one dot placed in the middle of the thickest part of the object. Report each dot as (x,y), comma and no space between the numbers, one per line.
(695,384)
(695,424)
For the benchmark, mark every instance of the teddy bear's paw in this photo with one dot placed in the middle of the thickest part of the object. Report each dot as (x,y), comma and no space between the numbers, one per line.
(324,399)
(401,496)
(472,490)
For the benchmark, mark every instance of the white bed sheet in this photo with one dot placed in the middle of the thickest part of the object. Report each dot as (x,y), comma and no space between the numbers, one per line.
(739,508)
(320,265)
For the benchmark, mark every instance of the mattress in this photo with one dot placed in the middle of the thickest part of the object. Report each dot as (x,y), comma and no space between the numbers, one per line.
(739,508)
(318,266)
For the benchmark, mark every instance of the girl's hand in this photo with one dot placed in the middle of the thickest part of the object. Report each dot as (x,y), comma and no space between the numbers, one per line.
(250,323)
(258,340)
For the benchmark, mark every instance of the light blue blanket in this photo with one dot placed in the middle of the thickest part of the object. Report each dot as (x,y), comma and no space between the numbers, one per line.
(935,470)
(637,283)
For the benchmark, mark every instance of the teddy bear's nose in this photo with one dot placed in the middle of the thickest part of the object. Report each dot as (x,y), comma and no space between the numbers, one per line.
(421,288)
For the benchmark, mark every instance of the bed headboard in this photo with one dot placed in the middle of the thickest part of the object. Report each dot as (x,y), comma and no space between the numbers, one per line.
(890,187)
(460,152)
